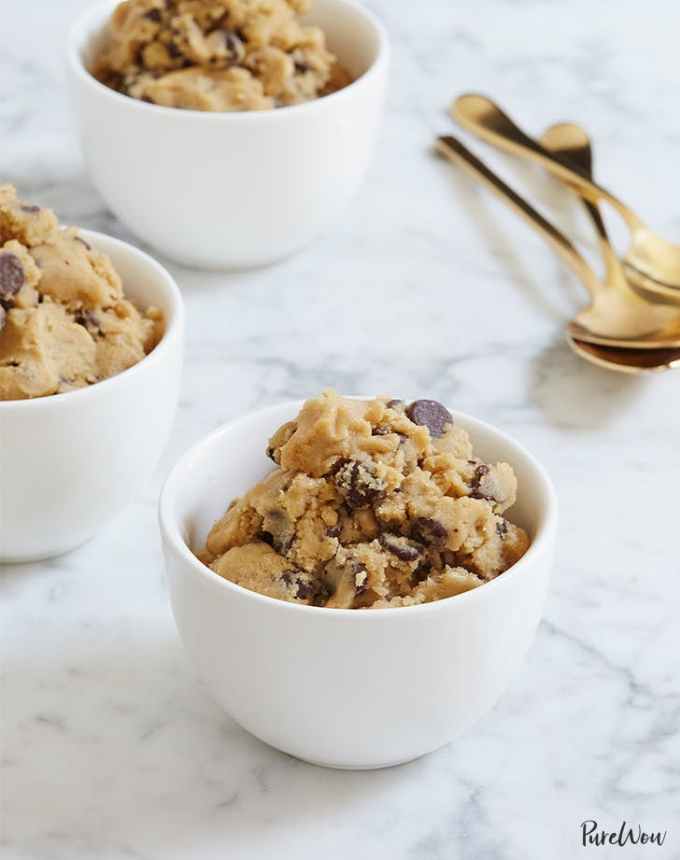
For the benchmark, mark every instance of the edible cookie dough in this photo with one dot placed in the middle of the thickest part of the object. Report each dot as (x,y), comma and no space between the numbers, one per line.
(372,505)
(64,321)
(217,55)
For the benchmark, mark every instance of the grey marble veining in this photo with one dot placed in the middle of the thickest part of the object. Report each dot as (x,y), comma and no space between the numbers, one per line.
(109,748)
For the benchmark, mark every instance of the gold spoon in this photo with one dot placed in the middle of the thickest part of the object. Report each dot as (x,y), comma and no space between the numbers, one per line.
(651,261)
(617,316)
(570,144)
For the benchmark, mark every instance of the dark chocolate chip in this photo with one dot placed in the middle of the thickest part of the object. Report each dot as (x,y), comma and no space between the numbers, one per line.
(357,483)
(501,529)
(301,67)
(478,486)
(404,549)
(11,274)
(430,414)
(429,531)
(233,45)
(421,573)
(358,568)
(153,15)
(174,51)
(305,590)
(334,531)
(87,319)
(83,242)
(266,537)
(31,209)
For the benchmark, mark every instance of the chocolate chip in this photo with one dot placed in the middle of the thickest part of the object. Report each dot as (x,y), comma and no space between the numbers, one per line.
(357,482)
(430,414)
(480,487)
(303,590)
(83,242)
(334,531)
(31,209)
(174,51)
(301,67)
(233,45)
(404,549)
(449,558)
(501,529)
(421,573)
(429,531)
(153,15)
(360,577)
(11,274)
(266,537)
(87,319)
(394,404)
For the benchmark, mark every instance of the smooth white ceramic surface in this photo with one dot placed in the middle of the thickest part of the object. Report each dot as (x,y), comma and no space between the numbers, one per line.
(69,463)
(240,189)
(344,688)
(110,746)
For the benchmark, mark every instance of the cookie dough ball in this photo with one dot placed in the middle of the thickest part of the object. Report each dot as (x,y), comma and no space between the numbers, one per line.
(375,504)
(64,320)
(217,55)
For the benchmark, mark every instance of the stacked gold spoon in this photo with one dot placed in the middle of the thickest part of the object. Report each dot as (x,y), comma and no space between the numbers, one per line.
(633,321)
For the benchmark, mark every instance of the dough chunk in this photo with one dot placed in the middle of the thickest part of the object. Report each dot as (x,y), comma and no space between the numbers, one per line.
(372,505)
(64,320)
(217,55)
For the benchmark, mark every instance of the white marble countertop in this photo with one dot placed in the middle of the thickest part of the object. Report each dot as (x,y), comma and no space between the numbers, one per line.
(110,748)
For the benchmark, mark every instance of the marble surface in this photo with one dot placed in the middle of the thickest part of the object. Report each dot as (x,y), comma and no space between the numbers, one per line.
(109,746)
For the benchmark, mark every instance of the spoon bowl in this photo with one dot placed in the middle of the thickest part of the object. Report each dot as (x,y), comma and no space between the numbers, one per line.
(570,144)
(651,259)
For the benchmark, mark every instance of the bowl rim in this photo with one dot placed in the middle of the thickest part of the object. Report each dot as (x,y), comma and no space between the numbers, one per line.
(77,41)
(171,533)
(174,324)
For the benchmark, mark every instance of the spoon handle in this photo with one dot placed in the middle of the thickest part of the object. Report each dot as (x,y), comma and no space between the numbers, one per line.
(484,118)
(454,150)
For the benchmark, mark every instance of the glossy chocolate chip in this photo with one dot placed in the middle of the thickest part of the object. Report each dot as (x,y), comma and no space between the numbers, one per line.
(430,414)
(429,531)
(11,274)
(404,549)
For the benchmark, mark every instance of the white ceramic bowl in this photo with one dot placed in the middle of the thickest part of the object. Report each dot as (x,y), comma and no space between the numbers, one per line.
(70,462)
(348,688)
(233,190)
